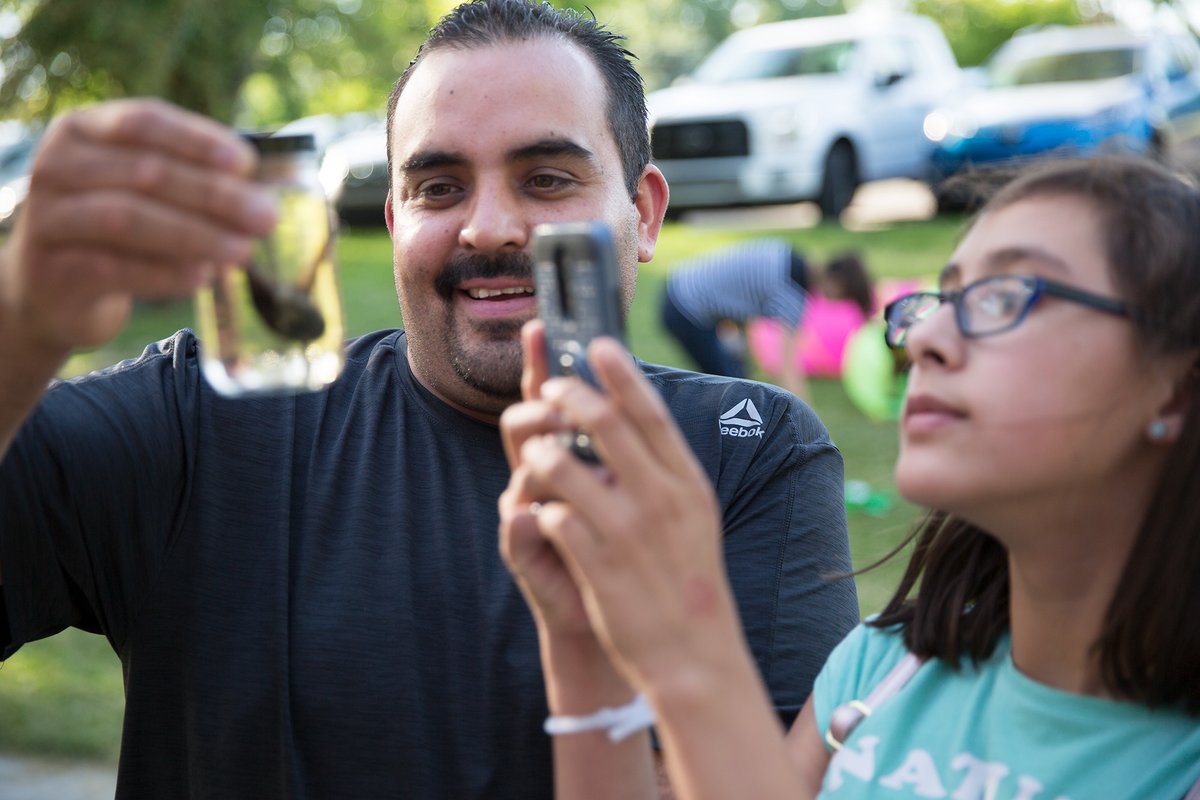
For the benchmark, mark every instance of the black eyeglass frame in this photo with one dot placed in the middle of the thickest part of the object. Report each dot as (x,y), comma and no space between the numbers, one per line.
(1039,287)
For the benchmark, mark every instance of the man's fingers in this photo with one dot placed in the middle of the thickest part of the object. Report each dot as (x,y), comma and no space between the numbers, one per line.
(126,199)
(231,200)
(91,286)
(157,125)
(87,273)
(128,223)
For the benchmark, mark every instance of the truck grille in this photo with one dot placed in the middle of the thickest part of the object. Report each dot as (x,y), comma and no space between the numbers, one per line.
(700,140)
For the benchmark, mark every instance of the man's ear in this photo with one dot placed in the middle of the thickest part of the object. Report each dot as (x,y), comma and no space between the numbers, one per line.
(387,211)
(651,203)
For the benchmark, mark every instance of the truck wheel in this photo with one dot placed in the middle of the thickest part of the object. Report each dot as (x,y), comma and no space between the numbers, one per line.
(840,180)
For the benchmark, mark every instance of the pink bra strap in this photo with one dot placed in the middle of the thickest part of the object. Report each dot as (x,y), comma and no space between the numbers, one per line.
(845,718)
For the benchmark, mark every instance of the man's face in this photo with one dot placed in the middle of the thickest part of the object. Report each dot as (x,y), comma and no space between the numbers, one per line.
(487,143)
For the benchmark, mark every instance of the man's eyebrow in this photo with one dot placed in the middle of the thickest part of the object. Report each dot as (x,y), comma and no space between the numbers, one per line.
(432,159)
(551,148)
(543,148)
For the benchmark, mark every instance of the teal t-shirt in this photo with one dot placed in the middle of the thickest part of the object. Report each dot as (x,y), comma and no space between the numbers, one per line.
(994,733)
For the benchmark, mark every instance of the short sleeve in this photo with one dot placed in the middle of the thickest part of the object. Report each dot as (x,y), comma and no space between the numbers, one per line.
(89,496)
(795,492)
(780,483)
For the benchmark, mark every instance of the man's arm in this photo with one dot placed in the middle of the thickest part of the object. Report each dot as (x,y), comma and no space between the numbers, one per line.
(126,200)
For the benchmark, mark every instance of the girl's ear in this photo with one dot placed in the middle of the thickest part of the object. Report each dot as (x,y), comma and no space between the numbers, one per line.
(1167,426)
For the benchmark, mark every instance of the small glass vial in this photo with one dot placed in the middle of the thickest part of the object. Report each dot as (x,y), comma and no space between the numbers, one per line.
(275,324)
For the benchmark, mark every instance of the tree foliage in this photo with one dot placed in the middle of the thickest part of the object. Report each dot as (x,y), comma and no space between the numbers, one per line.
(196,52)
(975,28)
(201,54)
(320,56)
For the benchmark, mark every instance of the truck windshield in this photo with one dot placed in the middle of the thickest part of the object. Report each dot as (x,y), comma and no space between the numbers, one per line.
(734,62)
(1083,65)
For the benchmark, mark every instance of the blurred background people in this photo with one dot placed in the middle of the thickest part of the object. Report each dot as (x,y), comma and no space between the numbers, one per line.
(709,300)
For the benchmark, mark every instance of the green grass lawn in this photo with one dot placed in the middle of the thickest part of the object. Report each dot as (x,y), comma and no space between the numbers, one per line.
(63,696)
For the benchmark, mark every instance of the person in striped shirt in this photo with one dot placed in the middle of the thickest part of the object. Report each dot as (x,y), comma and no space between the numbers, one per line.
(719,291)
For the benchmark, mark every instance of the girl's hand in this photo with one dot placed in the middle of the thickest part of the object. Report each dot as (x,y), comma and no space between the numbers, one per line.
(535,564)
(641,537)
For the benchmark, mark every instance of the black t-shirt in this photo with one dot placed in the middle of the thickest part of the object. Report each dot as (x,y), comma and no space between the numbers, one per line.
(306,593)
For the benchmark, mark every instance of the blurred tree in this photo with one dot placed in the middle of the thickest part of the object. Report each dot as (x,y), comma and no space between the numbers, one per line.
(334,56)
(290,56)
(62,52)
(671,37)
(975,28)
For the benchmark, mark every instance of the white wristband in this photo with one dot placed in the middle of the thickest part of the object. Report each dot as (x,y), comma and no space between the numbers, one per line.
(619,722)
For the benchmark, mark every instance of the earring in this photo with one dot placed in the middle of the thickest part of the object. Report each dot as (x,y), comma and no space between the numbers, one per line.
(1157,430)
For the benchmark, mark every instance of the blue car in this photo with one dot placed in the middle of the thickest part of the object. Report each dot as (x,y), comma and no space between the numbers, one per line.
(1071,91)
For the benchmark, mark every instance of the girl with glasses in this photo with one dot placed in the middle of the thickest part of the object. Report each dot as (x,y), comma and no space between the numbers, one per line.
(1043,642)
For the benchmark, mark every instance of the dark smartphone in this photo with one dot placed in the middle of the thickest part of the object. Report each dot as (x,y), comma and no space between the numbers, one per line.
(578,294)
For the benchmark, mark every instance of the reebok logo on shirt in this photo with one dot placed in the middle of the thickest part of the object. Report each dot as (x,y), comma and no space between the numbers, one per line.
(742,421)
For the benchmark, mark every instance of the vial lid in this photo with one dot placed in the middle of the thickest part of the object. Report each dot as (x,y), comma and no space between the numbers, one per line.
(295,143)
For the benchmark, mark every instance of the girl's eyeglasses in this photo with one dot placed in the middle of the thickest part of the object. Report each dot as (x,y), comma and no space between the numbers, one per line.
(991,305)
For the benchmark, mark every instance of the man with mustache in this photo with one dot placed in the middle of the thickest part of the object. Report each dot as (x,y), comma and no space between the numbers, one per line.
(305,592)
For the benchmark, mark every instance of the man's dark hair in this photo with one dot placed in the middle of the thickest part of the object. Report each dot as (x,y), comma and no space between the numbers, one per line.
(1149,642)
(482,23)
